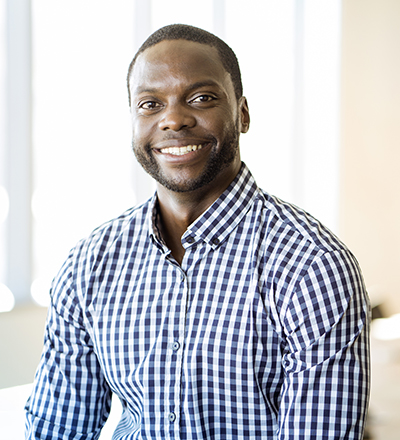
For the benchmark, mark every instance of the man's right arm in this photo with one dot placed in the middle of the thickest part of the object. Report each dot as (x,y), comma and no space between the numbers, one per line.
(70,398)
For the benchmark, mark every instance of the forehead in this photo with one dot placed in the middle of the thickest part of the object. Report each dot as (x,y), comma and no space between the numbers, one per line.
(176,62)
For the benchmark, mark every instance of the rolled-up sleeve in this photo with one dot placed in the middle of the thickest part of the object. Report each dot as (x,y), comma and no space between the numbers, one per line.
(326,358)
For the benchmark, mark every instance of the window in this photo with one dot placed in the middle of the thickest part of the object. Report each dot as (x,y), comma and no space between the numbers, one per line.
(83,170)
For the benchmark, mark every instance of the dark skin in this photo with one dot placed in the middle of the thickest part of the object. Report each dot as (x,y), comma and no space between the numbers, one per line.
(182,96)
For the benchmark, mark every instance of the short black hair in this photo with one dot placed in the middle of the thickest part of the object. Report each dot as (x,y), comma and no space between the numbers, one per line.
(191,33)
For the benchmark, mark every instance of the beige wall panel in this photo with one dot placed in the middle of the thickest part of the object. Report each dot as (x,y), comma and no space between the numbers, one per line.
(370,147)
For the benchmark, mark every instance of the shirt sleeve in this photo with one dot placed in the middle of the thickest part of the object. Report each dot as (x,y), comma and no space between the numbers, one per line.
(70,398)
(326,360)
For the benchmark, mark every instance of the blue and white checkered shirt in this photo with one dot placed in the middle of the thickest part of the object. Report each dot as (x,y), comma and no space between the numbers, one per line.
(261,333)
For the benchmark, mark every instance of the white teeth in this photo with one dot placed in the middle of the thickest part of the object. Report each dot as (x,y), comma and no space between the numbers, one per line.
(179,151)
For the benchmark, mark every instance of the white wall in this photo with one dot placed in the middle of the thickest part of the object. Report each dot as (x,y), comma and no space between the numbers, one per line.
(21,343)
(83,170)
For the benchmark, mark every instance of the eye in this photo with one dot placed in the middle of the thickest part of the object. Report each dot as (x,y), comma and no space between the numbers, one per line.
(149,105)
(202,98)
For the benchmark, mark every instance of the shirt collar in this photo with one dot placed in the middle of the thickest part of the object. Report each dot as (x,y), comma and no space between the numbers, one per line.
(153,222)
(220,219)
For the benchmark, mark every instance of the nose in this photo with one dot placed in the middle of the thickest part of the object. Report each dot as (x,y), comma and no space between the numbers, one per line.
(176,117)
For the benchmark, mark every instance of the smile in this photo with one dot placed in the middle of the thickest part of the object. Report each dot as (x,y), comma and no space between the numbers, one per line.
(180,151)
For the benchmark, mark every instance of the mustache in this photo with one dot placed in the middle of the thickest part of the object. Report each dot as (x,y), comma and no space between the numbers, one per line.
(183,134)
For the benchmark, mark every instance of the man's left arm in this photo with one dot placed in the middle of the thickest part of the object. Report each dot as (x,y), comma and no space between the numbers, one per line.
(326,362)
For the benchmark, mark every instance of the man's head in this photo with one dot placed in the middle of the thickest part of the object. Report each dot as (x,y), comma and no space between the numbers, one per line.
(197,35)
(186,115)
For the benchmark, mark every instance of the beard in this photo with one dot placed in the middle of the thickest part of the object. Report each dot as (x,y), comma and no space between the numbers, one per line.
(217,161)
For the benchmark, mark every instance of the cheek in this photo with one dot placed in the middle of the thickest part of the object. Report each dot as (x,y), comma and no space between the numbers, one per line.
(141,131)
(222,119)
(214,124)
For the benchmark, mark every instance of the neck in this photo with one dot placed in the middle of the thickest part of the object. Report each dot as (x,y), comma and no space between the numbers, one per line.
(179,209)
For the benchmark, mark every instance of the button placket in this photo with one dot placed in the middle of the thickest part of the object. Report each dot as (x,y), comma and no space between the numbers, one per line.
(176,351)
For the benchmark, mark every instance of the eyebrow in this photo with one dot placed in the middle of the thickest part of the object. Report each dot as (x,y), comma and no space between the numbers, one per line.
(191,87)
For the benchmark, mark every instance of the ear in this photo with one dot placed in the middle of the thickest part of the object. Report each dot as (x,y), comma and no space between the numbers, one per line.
(244,115)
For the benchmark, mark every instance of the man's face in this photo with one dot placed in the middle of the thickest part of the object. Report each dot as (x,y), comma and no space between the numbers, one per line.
(186,118)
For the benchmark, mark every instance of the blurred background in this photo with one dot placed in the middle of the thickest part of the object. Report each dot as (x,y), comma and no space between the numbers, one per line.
(322,82)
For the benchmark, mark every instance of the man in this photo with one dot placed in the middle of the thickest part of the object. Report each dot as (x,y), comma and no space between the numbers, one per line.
(214,310)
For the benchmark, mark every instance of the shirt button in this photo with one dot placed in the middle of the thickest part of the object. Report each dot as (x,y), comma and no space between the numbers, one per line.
(176,346)
(190,239)
(171,417)
(215,241)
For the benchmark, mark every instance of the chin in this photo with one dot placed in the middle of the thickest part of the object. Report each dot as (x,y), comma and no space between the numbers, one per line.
(217,162)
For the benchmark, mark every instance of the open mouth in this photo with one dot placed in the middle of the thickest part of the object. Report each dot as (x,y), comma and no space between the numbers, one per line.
(180,151)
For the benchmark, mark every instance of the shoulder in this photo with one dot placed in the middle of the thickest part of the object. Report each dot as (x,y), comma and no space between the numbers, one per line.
(125,228)
(132,221)
(312,280)
(286,221)
(303,259)
(105,243)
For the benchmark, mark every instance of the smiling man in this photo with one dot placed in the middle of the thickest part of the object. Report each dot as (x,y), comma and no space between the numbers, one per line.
(214,310)
(186,124)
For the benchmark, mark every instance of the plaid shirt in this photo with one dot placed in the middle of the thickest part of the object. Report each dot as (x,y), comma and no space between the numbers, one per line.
(261,333)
